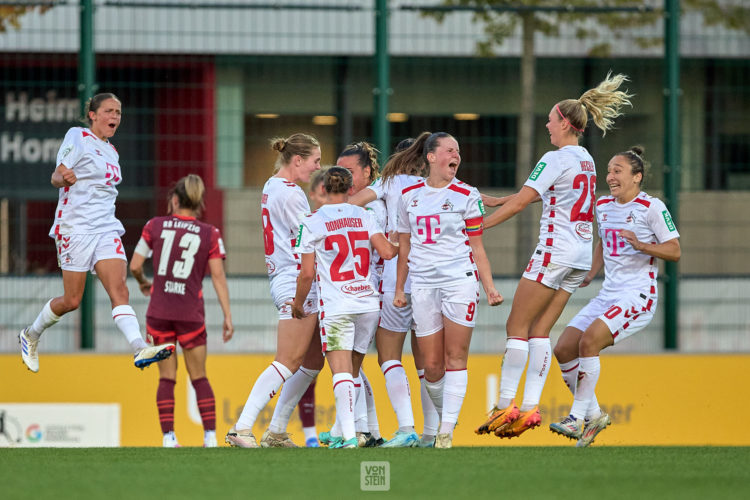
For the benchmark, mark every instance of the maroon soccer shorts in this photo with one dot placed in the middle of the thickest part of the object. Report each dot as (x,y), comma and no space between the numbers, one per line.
(188,333)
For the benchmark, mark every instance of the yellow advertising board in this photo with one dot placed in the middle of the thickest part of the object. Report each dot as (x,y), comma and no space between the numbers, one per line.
(652,399)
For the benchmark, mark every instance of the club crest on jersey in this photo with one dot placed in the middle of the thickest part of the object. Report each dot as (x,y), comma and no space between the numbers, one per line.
(583,230)
(447,205)
(270,266)
(604,217)
(359,288)
(414,203)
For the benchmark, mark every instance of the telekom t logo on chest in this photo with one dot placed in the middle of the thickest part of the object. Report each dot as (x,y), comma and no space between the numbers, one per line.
(613,242)
(429,229)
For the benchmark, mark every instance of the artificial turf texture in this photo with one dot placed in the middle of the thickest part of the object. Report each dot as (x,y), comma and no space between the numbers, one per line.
(492,472)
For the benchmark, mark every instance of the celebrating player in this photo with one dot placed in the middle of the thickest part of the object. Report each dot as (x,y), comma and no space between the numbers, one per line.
(298,354)
(338,236)
(183,248)
(399,172)
(634,230)
(87,233)
(565,180)
(440,240)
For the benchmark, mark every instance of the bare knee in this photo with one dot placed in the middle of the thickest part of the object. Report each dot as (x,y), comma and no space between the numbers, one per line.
(69,303)
(564,353)
(589,346)
(434,371)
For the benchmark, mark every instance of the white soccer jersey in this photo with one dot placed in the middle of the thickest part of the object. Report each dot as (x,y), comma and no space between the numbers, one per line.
(377,208)
(390,193)
(626,268)
(88,206)
(339,235)
(566,181)
(438,221)
(282,204)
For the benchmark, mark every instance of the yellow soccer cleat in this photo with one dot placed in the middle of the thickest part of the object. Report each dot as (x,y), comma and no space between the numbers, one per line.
(499,419)
(525,421)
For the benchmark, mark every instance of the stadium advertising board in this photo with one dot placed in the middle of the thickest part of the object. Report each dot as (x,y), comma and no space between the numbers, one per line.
(650,398)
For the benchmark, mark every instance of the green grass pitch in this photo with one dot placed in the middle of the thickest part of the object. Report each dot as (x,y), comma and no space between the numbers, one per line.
(497,473)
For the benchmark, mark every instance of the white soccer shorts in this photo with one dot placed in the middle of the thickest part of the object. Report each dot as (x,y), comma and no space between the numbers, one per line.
(553,275)
(348,332)
(624,313)
(81,252)
(395,319)
(458,303)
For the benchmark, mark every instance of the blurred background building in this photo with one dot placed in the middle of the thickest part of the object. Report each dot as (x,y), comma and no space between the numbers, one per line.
(205,84)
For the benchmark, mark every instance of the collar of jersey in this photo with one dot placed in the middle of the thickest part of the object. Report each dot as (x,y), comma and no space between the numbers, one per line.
(183,217)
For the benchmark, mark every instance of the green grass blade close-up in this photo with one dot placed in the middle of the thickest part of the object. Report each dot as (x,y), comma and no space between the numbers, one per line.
(470,472)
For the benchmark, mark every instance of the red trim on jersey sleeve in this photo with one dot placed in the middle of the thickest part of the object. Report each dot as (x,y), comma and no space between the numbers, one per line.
(603,201)
(146,233)
(415,186)
(643,202)
(215,248)
(474,226)
(86,134)
(457,189)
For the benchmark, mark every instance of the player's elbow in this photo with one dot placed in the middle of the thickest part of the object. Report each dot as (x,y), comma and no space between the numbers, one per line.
(390,252)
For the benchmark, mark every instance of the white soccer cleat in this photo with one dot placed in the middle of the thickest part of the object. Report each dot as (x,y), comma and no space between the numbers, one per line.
(152,354)
(569,427)
(276,440)
(592,428)
(170,440)
(444,440)
(29,353)
(241,439)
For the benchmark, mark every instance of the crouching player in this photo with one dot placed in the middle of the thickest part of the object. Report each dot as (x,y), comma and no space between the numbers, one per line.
(634,230)
(340,237)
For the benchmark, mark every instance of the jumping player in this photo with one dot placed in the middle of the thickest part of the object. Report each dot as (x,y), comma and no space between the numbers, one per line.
(565,179)
(635,229)
(87,233)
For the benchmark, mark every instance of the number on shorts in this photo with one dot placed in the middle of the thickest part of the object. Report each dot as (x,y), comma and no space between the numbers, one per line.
(119,250)
(612,312)
(267,231)
(181,269)
(362,266)
(470,311)
(588,191)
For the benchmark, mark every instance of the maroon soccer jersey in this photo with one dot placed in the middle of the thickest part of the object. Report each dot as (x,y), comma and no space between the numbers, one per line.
(181,249)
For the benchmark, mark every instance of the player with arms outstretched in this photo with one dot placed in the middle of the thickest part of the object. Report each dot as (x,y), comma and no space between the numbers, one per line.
(565,179)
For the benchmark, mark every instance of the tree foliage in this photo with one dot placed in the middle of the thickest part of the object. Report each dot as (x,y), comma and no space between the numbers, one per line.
(10,16)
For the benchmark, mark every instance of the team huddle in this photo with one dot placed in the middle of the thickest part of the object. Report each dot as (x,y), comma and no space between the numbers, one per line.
(385,253)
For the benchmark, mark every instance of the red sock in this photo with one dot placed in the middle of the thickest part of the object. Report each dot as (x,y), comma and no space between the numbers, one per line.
(307,407)
(206,403)
(165,404)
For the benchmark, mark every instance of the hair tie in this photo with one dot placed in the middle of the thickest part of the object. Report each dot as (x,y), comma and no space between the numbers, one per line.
(557,107)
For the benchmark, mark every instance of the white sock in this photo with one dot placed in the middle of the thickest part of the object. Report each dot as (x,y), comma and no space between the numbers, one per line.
(263,391)
(570,376)
(589,370)
(397,386)
(343,390)
(360,407)
(435,391)
(454,391)
(372,414)
(431,417)
(336,429)
(44,320)
(127,322)
(514,361)
(209,435)
(310,432)
(292,391)
(540,357)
